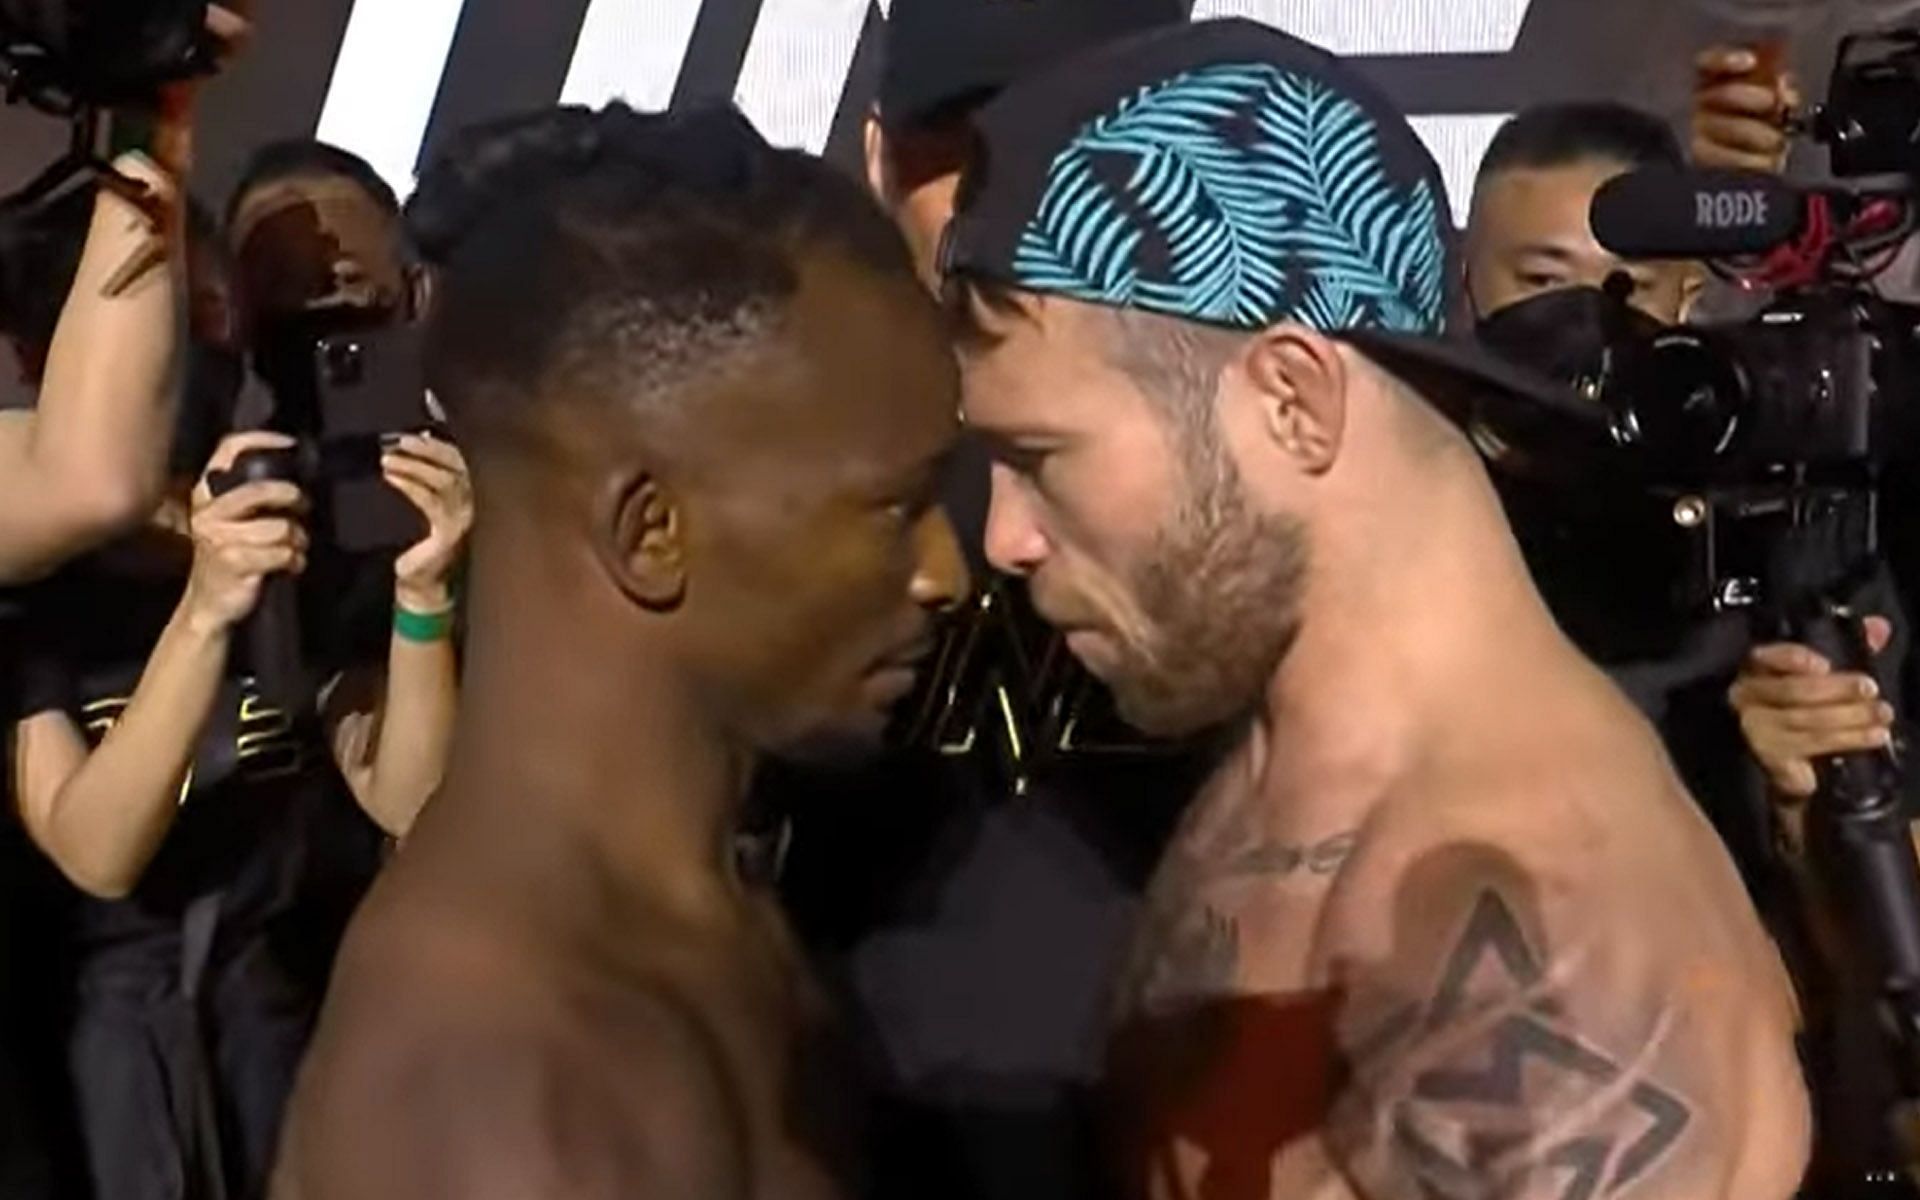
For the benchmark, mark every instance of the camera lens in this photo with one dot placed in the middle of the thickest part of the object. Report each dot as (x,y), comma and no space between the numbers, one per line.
(1680,400)
(345,363)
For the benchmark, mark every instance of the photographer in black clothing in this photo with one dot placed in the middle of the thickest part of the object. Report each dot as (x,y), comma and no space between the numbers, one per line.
(41,259)
(1534,274)
(214,843)
(212,838)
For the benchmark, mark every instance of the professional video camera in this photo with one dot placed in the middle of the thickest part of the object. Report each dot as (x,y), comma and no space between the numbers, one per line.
(1813,396)
(1779,453)
(63,55)
(77,58)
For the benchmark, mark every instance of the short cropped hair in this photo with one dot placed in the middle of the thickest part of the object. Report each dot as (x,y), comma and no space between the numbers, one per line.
(305,158)
(1561,135)
(615,257)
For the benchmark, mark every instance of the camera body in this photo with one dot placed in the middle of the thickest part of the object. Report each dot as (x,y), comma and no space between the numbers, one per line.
(1718,439)
(1873,106)
(345,394)
(1741,459)
(1820,382)
(66,54)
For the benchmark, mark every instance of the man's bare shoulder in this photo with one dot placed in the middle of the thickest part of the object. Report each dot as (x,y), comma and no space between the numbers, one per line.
(465,1068)
(1536,1014)
(1581,795)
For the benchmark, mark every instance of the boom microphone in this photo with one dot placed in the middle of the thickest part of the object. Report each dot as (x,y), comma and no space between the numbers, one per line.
(1669,212)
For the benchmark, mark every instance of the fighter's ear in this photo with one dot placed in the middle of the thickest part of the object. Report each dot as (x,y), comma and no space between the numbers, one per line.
(879,164)
(1299,382)
(420,285)
(642,541)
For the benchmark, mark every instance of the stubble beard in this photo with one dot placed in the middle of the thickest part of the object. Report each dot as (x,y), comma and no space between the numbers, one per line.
(1220,591)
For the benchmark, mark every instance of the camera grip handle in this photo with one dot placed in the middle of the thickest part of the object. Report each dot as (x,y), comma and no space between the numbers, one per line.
(1863,845)
(272,632)
(273,646)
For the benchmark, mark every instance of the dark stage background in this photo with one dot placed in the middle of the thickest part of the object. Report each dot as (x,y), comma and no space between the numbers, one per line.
(390,78)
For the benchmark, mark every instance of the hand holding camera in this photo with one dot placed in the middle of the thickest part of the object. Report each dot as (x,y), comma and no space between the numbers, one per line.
(432,474)
(1794,708)
(242,535)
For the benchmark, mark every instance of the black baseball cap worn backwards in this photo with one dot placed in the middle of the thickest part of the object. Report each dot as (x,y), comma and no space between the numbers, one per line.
(946,57)
(1225,173)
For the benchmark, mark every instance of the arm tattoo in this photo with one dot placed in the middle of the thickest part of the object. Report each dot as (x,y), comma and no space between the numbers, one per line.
(1277,860)
(1194,958)
(1494,1092)
(1188,948)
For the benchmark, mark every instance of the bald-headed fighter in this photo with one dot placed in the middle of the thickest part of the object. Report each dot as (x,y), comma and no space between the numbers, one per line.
(705,401)
(1445,923)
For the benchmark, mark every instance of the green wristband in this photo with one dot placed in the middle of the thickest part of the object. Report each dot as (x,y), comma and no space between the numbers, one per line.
(424,628)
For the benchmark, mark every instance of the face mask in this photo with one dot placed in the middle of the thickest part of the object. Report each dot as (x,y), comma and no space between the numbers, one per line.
(1570,335)
(1564,334)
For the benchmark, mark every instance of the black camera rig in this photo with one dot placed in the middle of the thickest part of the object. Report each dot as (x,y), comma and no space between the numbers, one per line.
(1780,449)
(64,56)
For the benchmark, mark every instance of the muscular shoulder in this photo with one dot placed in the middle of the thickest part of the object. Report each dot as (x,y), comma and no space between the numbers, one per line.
(474,1082)
(1585,808)
(1521,1019)
(485,1110)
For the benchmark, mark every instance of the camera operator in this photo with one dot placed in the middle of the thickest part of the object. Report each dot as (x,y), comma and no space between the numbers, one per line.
(1535,273)
(315,230)
(1528,232)
(1794,708)
(319,254)
(1608,561)
(211,836)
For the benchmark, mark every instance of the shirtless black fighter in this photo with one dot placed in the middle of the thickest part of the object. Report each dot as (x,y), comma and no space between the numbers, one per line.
(705,402)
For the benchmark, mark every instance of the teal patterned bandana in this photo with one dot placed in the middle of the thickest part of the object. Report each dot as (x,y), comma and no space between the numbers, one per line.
(1251,195)
(1262,183)
(1222,172)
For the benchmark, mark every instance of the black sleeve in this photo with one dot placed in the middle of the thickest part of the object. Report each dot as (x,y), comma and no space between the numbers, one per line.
(38,677)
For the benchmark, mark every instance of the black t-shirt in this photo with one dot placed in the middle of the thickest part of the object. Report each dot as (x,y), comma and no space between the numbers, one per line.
(266,820)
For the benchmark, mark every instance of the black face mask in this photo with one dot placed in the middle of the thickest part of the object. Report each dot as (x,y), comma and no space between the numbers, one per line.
(1564,334)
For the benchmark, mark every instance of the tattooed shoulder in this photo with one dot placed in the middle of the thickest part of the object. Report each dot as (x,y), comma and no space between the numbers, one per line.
(1487,1061)
(1190,945)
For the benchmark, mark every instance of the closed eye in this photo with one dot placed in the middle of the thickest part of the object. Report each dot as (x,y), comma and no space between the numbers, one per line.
(1020,458)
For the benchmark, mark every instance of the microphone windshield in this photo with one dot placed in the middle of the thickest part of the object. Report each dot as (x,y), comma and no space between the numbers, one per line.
(1669,212)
